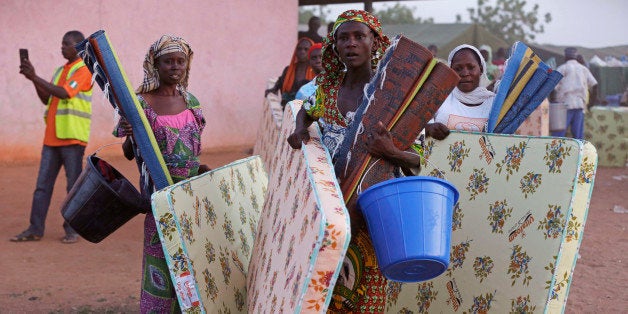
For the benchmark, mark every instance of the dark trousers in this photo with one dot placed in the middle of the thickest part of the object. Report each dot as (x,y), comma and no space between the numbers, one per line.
(575,123)
(52,158)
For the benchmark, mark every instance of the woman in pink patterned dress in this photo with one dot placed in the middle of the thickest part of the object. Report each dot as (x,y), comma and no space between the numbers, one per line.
(177,121)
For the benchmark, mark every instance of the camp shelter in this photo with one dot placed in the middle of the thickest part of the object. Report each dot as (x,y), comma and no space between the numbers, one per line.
(446,36)
(612,80)
(546,51)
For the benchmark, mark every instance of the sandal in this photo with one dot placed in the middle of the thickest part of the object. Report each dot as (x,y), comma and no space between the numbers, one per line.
(25,237)
(69,238)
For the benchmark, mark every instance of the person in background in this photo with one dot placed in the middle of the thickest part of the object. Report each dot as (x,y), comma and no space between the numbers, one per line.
(468,106)
(500,56)
(576,89)
(68,101)
(297,73)
(176,119)
(492,71)
(351,52)
(580,59)
(433,49)
(330,27)
(312,32)
(315,57)
(499,59)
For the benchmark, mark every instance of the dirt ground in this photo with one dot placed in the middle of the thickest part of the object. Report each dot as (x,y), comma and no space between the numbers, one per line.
(50,277)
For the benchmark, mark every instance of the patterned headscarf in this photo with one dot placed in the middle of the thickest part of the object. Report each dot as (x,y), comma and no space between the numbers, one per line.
(334,70)
(165,44)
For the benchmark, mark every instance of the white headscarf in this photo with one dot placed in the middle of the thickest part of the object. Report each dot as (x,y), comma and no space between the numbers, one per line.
(478,95)
(465,46)
(489,50)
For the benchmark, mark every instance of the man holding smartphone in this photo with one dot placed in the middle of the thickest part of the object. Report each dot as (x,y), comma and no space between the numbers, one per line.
(68,100)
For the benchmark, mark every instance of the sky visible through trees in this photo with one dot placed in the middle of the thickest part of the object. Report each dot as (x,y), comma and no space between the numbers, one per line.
(592,24)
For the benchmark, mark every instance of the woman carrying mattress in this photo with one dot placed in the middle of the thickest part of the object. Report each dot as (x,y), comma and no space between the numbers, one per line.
(351,52)
(177,121)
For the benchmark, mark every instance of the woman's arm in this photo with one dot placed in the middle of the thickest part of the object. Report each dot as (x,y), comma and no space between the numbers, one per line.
(278,84)
(380,144)
(127,147)
(301,134)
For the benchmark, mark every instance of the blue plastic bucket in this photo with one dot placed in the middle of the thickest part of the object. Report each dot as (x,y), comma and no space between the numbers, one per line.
(409,221)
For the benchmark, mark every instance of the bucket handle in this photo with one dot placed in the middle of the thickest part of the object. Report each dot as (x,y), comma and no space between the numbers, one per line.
(359,188)
(106,145)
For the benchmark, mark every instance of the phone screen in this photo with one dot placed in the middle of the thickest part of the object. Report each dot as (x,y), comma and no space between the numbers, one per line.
(23,54)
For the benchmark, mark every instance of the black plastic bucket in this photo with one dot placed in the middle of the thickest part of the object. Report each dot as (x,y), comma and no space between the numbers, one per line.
(101,201)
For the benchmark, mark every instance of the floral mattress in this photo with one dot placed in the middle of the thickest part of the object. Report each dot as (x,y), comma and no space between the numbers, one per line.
(303,231)
(207,226)
(606,128)
(268,131)
(517,225)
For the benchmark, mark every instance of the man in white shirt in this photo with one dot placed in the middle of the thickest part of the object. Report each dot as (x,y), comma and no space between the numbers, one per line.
(574,90)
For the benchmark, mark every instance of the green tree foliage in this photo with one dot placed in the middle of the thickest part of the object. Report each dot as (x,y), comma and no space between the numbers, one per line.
(399,14)
(509,19)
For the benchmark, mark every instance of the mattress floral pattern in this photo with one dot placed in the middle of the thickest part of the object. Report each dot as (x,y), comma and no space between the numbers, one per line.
(207,226)
(268,131)
(537,123)
(606,128)
(240,241)
(303,232)
(517,225)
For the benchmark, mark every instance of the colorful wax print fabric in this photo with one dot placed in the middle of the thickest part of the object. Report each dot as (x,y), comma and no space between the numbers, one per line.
(207,226)
(606,128)
(180,147)
(516,228)
(303,231)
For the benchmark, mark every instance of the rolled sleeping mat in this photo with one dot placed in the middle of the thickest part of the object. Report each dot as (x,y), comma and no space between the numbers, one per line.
(404,94)
(100,57)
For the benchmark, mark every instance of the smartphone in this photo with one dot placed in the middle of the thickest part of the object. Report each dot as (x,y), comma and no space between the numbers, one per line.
(23,54)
